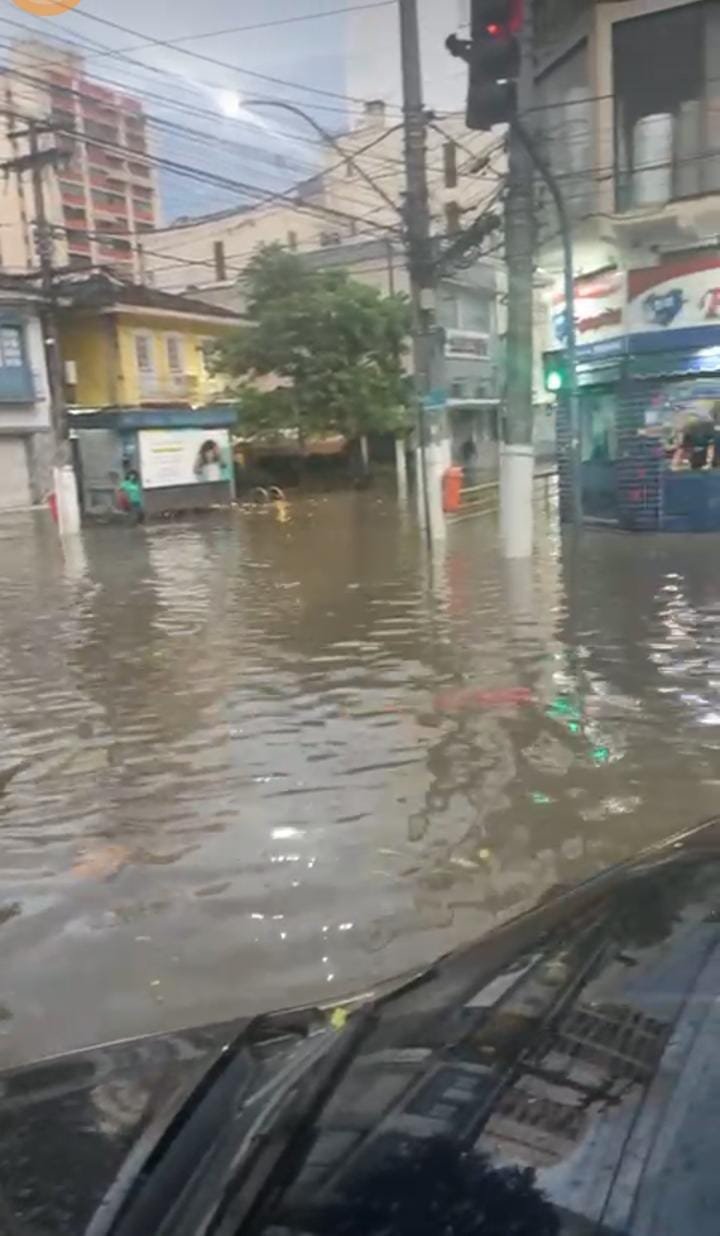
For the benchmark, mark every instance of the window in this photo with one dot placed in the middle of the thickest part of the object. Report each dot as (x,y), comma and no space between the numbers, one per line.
(15,378)
(174,345)
(662,67)
(144,353)
(219,259)
(450,164)
(452,218)
(468,309)
(475,311)
(11,349)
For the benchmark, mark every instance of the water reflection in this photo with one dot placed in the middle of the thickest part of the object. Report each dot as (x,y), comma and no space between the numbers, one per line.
(238,779)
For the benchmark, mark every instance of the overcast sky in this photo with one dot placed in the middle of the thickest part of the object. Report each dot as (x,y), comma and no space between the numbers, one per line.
(308,52)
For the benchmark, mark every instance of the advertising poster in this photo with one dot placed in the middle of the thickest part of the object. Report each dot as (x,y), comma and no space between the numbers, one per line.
(184,457)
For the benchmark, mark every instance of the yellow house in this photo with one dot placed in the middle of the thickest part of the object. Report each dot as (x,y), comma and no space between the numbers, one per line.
(128,346)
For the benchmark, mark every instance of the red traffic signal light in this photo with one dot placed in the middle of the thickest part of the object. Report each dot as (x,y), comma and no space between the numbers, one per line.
(493,54)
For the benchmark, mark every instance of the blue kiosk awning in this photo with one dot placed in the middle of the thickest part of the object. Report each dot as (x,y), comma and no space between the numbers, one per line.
(223,416)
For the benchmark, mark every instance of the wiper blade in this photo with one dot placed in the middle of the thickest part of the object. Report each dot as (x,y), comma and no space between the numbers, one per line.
(159,1169)
(281,1151)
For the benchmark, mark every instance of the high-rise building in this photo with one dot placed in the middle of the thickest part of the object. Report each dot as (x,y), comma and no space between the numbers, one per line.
(102,196)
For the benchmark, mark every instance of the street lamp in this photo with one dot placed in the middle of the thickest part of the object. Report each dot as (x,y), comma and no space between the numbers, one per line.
(327,137)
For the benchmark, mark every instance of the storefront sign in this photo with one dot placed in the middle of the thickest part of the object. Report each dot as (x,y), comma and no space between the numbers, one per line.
(599,314)
(184,457)
(676,297)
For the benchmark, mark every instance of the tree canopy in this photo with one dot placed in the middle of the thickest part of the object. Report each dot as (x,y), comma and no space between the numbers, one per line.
(320,352)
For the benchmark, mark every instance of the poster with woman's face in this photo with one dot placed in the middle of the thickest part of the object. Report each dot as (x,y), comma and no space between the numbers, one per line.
(172,457)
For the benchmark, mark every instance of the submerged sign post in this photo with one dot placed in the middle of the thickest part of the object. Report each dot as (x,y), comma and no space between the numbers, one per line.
(174,457)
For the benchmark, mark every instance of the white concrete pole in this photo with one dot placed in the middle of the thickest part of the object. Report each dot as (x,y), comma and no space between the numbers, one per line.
(365,452)
(401,468)
(517,472)
(68,508)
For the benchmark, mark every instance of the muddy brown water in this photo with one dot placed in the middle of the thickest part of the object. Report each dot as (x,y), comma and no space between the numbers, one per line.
(246,762)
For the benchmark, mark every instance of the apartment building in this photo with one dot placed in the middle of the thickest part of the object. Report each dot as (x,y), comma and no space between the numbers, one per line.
(102,196)
(629,109)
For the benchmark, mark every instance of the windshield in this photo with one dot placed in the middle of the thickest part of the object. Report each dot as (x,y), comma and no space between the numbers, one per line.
(575,1091)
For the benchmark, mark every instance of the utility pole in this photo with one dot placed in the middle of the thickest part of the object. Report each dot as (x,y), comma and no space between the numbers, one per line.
(65,487)
(517,464)
(500,91)
(37,161)
(428,344)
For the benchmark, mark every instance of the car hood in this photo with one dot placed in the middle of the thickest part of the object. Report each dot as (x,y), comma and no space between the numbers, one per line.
(480,1050)
(67,1125)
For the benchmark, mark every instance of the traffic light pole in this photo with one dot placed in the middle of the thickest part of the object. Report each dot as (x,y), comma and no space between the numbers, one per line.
(547,174)
(517,463)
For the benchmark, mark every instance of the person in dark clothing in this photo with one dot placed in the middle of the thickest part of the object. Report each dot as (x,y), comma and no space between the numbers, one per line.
(697,440)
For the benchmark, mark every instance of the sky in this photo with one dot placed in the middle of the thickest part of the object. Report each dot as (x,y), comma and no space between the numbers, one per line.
(262,147)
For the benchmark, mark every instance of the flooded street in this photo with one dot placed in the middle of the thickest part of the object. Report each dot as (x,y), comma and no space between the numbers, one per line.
(257,762)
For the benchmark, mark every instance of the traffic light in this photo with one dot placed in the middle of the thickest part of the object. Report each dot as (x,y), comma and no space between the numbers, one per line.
(556,372)
(493,54)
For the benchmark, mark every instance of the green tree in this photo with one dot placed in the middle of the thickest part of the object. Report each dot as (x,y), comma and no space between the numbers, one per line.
(333,345)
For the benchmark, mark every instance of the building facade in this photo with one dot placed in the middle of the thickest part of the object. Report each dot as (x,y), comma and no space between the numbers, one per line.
(629,107)
(133,347)
(102,196)
(25,433)
(350,217)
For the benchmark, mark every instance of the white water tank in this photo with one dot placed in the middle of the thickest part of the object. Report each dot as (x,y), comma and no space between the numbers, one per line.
(652,161)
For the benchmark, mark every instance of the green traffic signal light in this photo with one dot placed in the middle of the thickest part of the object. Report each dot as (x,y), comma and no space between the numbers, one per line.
(556,376)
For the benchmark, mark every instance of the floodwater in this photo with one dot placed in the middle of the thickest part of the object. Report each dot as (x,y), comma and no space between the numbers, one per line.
(257,762)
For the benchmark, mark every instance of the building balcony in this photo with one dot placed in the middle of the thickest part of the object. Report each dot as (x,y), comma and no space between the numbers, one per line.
(156,389)
(100,93)
(78,242)
(73,195)
(102,133)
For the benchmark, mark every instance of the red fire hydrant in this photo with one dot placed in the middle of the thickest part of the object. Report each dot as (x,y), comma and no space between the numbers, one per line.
(452,484)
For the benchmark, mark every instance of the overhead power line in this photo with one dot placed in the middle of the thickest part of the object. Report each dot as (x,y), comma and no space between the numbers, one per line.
(85,41)
(239,186)
(199,136)
(143,92)
(261,25)
(214,60)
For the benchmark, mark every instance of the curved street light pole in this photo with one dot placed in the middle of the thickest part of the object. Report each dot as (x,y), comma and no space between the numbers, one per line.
(330,140)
